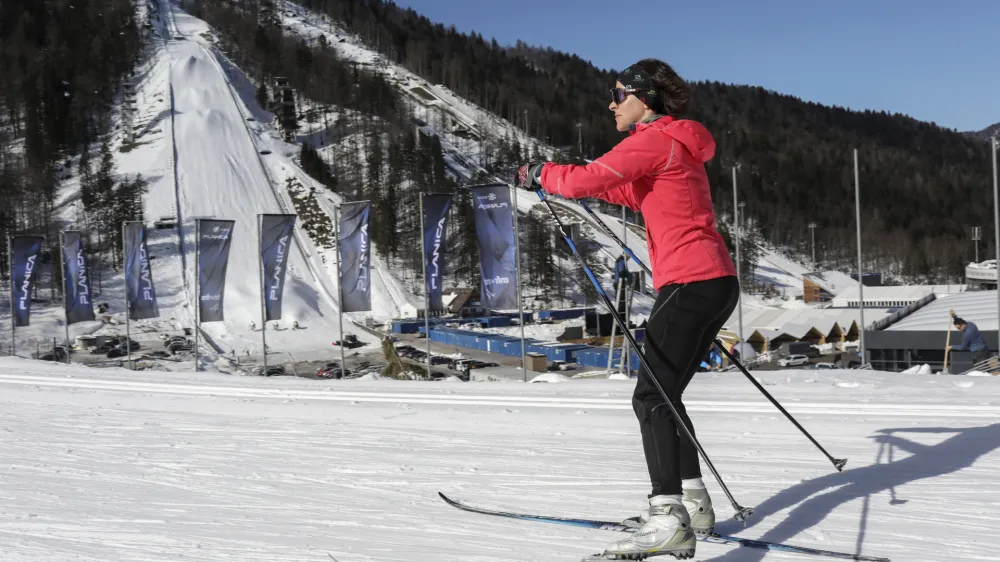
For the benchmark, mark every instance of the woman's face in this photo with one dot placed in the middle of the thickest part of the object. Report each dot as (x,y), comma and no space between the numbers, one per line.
(629,111)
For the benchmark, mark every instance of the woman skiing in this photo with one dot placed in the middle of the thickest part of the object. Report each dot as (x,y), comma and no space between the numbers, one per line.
(659,170)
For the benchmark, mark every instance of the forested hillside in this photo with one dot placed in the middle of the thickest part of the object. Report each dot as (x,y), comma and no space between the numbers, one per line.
(63,63)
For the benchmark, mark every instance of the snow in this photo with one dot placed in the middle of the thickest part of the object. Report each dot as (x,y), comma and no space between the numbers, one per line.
(116,465)
(549,377)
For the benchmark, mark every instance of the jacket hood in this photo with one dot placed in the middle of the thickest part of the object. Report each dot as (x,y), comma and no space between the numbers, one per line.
(692,134)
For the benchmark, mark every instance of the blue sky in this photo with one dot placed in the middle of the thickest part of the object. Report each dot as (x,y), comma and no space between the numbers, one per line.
(915,57)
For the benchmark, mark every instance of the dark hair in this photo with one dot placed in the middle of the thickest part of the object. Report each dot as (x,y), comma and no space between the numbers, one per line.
(959,321)
(672,91)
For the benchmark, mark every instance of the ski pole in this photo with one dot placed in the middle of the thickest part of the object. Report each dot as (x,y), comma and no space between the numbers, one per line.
(742,513)
(837,463)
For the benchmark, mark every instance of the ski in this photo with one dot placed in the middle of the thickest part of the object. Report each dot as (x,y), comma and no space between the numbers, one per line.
(713,538)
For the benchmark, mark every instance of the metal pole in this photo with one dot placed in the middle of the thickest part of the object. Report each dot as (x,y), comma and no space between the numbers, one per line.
(340,292)
(520,303)
(427,293)
(977,235)
(996,222)
(739,268)
(861,284)
(263,291)
(13,321)
(128,330)
(62,265)
(197,289)
(812,233)
(611,342)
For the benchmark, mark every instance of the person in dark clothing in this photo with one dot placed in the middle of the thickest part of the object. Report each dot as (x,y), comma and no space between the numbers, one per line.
(972,340)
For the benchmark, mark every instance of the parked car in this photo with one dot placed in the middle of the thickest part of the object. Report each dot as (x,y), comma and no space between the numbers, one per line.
(333,365)
(165,222)
(101,349)
(821,366)
(561,366)
(799,348)
(793,361)
(272,371)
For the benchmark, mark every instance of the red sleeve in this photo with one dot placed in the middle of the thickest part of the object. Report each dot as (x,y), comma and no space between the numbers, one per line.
(621,195)
(610,176)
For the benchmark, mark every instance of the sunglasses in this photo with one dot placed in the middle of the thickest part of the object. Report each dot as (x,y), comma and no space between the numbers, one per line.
(618,95)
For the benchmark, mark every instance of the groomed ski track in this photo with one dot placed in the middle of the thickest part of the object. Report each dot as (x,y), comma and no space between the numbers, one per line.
(470,397)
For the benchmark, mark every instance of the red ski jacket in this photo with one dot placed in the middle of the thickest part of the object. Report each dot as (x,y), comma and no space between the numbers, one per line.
(659,169)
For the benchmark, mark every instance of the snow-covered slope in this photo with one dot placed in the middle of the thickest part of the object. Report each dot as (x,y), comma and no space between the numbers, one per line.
(115,465)
(220,173)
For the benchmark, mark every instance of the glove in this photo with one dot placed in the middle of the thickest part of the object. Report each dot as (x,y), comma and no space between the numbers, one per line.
(528,176)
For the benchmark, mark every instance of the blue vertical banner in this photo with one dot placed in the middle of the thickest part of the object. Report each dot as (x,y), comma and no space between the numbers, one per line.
(354,246)
(140,294)
(497,250)
(24,258)
(76,281)
(214,239)
(436,208)
(275,244)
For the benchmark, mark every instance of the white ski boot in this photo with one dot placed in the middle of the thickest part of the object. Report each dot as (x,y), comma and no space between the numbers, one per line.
(699,506)
(666,531)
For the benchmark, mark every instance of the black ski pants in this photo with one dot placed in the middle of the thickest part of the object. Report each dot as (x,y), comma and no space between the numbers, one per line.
(682,326)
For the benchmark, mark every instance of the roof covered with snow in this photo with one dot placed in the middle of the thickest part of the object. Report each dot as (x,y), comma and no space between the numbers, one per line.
(979,307)
(775,322)
(895,292)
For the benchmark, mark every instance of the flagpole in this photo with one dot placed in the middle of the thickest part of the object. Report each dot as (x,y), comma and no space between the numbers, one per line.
(427,292)
(340,289)
(128,329)
(263,305)
(13,321)
(996,224)
(62,260)
(520,304)
(861,272)
(197,289)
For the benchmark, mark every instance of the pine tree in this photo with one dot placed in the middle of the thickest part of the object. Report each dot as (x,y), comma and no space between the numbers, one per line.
(438,179)
(374,161)
(389,203)
(263,96)
(465,244)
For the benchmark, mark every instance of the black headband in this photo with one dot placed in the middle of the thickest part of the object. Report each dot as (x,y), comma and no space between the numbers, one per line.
(635,78)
